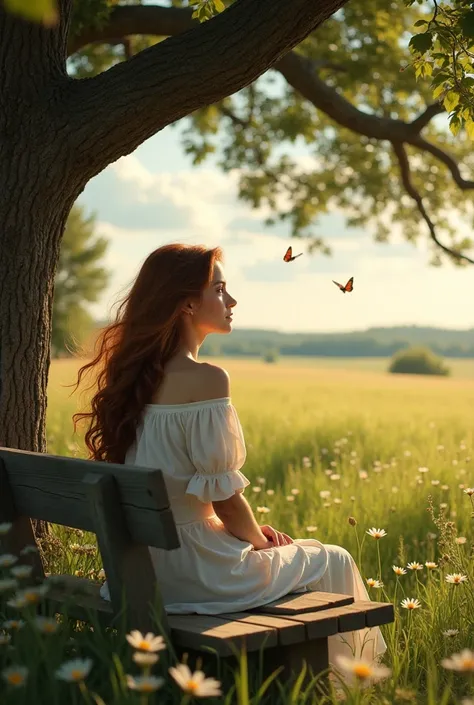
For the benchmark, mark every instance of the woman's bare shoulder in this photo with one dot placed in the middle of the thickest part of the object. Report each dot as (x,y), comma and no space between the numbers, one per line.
(212,381)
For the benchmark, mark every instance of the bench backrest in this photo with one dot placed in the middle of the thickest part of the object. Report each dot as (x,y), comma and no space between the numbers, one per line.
(127,507)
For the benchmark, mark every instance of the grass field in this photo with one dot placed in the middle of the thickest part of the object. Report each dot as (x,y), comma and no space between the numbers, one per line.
(331,439)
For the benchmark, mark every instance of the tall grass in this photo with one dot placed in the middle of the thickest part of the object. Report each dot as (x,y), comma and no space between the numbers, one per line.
(323,445)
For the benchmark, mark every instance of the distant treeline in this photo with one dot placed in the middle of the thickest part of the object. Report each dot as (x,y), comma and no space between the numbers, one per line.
(374,342)
(383,342)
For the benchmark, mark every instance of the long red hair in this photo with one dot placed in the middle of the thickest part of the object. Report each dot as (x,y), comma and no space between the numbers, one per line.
(134,349)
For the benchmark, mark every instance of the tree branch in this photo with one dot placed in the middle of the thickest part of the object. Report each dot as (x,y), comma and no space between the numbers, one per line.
(464,184)
(416,196)
(426,116)
(120,108)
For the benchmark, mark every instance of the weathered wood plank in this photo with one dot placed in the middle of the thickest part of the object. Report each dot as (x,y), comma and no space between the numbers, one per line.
(289,632)
(225,636)
(21,534)
(376,613)
(128,566)
(306,602)
(50,487)
(318,624)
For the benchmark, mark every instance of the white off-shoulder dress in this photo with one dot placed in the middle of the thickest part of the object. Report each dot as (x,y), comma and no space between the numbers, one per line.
(200,448)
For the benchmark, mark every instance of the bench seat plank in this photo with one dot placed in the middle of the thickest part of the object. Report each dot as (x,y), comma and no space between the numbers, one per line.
(198,630)
(289,632)
(306,602)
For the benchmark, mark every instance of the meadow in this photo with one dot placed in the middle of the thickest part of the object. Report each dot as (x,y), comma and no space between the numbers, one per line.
(326,440)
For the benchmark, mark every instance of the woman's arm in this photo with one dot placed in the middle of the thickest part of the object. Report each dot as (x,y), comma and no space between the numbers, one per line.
(237,517)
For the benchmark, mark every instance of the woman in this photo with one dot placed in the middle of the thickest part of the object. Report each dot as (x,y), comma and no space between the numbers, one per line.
(157,406)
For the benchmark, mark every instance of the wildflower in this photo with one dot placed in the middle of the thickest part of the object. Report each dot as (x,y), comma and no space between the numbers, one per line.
(256,489)
(443,505)
(337,500)
(145,642)
(460,540)
(145,659)
(431,565)
(311,528)
(456,578)
(306,462)
(462,662)
(46,625)
(290,498)
(405,694)
(398,571)
(376,533)
(334,477)
(8,584)
(14,624)
(324,494)
(144,684)
(270,493)
(414,565)
(469,491)
(7,560)
(450,633)
(195,683)
(435,483)
(361,670)
(15,675)
(5,639)
(21,571)
(423,470)
(5,528)
(261,480)
(263,510)
(371,582)
(30,595)
(75,670)
(431,536)
(410,603)
(295,491)
(363,474)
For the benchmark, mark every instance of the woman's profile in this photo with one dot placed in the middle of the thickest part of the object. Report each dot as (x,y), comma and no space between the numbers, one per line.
(156,405)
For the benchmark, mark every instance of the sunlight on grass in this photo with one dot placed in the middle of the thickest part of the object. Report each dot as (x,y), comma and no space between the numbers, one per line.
(338,454)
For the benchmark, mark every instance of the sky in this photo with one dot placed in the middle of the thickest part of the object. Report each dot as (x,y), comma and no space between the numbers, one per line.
(155,196)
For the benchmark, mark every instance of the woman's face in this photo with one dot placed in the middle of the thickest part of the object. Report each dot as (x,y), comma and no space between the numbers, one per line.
(214,313)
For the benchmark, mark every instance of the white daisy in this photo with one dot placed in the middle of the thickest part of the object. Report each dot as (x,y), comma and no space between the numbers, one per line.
(450,633)
(410,603)
(361,670)
(398,571)
(7,559)
(456,578)
(144,684)
(75,670)
(376,533)
(21,571)
(145,642)
(414,565)
(5,528)
(462,662)
(371,582)
(15,675)
(195,683)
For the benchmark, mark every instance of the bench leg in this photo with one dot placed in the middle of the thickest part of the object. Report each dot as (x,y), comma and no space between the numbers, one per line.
(292,656)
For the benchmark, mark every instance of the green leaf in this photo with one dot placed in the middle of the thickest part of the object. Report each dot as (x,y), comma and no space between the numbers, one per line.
(450,101)
(470,128)
(467,24)
(421,42)
(455,125)
(43,11)
(438,90)
(219,5)
(420,23)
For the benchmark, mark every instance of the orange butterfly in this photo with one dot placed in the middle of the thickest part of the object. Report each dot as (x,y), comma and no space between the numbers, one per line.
(288,256)
(349,286)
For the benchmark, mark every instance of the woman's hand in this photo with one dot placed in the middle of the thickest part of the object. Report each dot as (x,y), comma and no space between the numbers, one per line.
(277,538)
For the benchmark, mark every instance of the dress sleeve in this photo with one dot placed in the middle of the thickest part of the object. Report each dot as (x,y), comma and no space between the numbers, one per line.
(216,447)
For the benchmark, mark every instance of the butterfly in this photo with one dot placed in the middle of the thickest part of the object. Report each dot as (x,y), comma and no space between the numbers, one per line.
(348,287)
(288,256)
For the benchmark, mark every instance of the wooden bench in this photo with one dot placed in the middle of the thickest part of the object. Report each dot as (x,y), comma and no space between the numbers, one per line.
(127,508)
